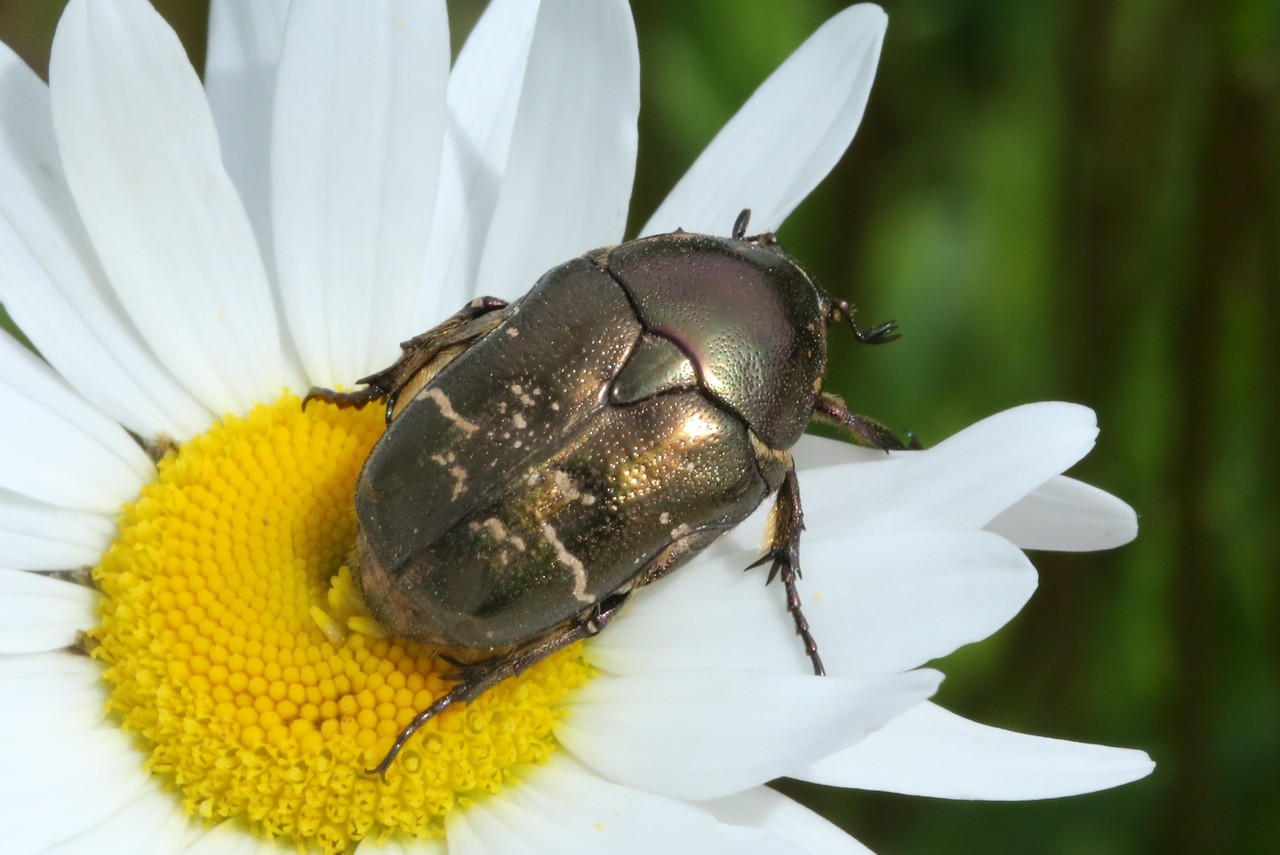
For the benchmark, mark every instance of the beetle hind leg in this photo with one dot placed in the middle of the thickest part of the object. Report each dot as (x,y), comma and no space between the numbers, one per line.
(786,522)
(476,678)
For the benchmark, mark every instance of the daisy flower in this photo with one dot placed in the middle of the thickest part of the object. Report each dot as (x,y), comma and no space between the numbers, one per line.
(185,664)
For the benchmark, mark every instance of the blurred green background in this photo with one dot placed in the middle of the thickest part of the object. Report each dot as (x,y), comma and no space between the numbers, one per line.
(1075,201)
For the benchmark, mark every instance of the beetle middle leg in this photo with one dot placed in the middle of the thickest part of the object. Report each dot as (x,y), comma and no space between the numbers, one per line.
(786,522)
(476,678)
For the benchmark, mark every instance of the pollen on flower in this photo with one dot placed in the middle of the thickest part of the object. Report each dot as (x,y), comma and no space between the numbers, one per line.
(237,648)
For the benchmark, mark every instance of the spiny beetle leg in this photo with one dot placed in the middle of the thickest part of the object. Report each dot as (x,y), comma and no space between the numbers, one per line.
(480,677)
(346,400)
(784,552)
(416,354)
(830,409)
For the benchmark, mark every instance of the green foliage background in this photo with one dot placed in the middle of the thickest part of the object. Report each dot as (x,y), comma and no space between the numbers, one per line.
(1070,201)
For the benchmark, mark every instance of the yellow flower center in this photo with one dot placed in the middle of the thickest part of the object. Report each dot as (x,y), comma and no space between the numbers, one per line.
(237,648)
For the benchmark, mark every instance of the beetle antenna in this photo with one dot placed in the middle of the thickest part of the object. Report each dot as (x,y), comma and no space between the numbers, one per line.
(879,334)
(740,224)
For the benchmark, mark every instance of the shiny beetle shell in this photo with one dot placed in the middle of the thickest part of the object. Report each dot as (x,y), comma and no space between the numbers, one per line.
(634,405)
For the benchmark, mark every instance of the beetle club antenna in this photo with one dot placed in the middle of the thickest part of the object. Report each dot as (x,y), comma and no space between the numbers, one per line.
(740,224)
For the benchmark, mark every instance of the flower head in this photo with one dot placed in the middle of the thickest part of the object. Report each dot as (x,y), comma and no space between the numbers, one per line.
(183,257)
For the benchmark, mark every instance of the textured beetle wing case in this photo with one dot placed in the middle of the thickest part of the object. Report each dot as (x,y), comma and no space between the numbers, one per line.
(513,494)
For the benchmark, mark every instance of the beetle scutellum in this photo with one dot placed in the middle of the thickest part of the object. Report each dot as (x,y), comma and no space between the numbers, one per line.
(546,458)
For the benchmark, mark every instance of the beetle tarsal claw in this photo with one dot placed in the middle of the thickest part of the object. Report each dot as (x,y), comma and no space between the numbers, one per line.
(879,334)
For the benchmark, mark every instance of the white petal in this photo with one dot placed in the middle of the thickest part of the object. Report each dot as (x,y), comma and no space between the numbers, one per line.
(1067,515)
(359,119)
(875,604)
(54,447)
(483,94)
(787,136)
(52,285)
(963,482)
(232,838)
(153,822)
(931,752)
(402,847)
(240,83)
(38,613)
(703,733)
(883,603)
(573,150)
(68,784)
(142,160)
(815,452)
(790,820)
(35,536)
(55,693)
(560,807)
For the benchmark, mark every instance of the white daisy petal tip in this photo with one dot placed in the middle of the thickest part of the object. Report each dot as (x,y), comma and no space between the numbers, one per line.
(929,751)
(1066,515)
(788,135)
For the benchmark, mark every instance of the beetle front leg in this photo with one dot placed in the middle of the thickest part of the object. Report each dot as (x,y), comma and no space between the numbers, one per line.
(436,345)
(831,410)
(786,522)
(477,678)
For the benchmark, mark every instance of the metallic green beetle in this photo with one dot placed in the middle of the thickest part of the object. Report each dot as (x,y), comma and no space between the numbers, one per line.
(546,458)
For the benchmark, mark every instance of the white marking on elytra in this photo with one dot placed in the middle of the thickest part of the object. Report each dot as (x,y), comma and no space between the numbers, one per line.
(564,482)
(524,397)
(664,518)
(459,481)
(519,422)
(570,561)
(495,527)
(457,472)
(513,332)
(436,394)
(498,532)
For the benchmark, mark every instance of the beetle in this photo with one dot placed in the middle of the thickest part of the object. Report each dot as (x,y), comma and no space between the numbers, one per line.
(545,458)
